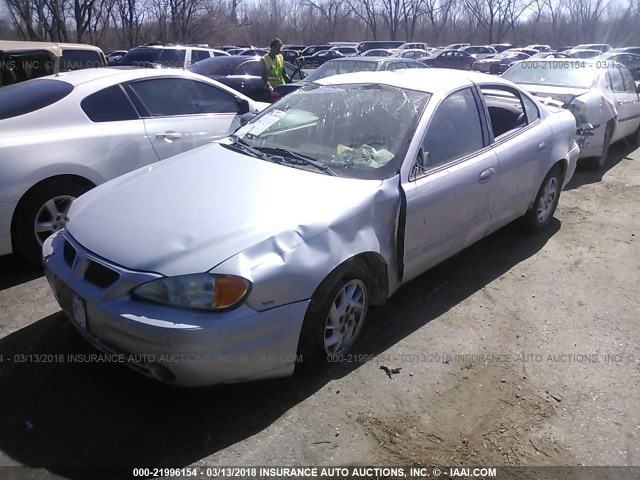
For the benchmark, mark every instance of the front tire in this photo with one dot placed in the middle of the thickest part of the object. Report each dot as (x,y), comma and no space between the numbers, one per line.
(335,317)
(539,216)
(42,212)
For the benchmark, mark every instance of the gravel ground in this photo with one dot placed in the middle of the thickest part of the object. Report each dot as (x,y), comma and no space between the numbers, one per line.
(521,350)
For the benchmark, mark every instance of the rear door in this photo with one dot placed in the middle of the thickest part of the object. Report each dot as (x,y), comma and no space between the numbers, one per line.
(449,197)
(522,142)
(626,99)
(119,142)
(181,114)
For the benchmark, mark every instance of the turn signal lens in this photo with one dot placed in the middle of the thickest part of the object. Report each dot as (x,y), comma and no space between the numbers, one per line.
(228,290)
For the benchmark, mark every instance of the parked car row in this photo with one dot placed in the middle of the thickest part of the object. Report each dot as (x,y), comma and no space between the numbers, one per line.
(172,211)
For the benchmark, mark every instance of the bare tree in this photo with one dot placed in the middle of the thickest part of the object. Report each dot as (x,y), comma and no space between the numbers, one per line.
(367,12)
(334,13)
(586,14)
(128,17)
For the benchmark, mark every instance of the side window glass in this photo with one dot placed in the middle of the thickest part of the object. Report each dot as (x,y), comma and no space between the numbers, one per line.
(172,58)
(506,112)
(210,99)
(454,130)
(627,78)
(253,67)
(166,96)
(615,80)
(198,55)
(109,105)
(531,110)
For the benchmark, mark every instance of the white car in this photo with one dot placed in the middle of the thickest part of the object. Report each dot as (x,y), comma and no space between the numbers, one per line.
(168,56)
(62,135)
(236,260)
(480,52)
(601,95)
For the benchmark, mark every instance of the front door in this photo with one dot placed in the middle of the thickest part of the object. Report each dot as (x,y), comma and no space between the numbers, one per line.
(449,198)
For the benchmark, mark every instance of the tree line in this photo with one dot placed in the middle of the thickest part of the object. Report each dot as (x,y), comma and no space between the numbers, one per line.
(114,24)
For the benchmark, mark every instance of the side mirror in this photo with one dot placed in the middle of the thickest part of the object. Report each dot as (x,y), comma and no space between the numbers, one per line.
(243,106)
(420,167)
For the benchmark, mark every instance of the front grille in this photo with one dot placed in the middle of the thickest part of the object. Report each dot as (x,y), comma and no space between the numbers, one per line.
(100,276)
(69,253)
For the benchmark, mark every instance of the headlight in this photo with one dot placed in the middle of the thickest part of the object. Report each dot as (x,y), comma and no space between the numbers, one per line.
(579,110)
(199,291)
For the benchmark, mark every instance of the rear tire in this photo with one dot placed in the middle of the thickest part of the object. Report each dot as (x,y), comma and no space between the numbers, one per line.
(41,213)
(335,317)
(539,216)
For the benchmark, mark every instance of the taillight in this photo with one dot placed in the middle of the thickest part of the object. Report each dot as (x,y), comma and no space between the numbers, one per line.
(275,95)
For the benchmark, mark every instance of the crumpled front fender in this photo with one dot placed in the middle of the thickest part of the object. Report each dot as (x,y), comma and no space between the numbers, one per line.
(289,266)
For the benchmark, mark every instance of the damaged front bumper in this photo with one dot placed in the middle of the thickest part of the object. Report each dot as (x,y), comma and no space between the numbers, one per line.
(173,345)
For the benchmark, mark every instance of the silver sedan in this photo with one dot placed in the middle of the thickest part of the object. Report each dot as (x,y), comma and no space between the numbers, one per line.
(241,259)
(62,135)
(600,93)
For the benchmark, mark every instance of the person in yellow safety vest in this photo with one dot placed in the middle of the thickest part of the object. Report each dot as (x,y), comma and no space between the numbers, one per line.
(274,73)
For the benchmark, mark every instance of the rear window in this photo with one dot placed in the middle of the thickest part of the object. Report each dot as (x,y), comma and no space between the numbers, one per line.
(79,60)
(22,98)
(364,46)
(146,57)
(141,56)
(21,66)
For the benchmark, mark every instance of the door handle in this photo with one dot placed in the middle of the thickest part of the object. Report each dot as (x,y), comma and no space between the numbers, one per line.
(486,175)
(169,135)
(542,146)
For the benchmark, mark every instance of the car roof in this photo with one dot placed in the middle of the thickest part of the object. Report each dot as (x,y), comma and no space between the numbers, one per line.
(368,59)
(55,47)
(433,80)
(613,53)
(78,77)
(173,47)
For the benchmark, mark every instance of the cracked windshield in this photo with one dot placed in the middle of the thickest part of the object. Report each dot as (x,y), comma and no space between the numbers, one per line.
(357,131)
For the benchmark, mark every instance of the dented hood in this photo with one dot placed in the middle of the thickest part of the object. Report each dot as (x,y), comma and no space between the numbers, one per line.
(191,212)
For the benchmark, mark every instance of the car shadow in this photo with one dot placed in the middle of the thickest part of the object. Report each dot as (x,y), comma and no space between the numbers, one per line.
(59,414)
(584,176)
(15,270)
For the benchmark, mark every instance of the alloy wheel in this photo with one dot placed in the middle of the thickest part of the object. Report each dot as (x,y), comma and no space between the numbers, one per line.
(345,318)
(547,199)
(51,217)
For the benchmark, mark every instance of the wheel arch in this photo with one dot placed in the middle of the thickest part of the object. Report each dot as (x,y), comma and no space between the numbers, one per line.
(377,267)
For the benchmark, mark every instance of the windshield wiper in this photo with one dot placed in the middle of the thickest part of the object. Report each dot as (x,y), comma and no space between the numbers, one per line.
(289,157)
(240,144)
